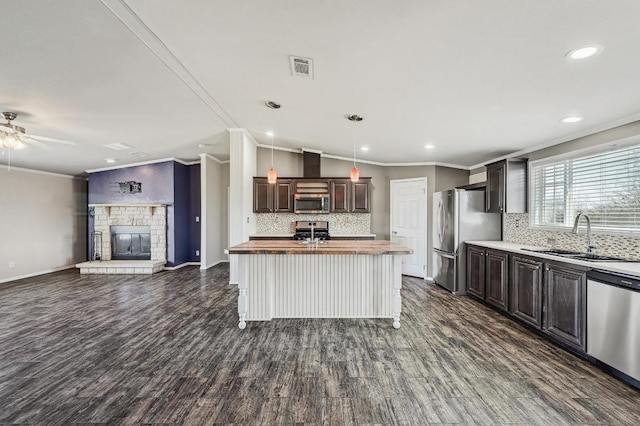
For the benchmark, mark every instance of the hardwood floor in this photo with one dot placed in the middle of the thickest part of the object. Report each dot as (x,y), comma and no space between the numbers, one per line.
(166,348)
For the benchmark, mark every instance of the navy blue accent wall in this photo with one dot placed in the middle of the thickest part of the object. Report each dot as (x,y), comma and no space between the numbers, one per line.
(182,213)
(170,183)
(156,179)
(194,206)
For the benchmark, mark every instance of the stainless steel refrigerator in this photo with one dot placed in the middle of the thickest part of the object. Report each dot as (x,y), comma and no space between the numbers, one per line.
(459,216)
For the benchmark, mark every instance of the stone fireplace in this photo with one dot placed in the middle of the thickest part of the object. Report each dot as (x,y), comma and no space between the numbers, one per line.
(139,216)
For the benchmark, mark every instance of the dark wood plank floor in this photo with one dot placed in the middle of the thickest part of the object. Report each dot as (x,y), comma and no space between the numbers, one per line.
(166,349)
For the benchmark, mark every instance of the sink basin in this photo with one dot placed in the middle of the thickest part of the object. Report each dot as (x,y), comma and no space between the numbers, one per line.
(595,257)
(578,255)
(557,252)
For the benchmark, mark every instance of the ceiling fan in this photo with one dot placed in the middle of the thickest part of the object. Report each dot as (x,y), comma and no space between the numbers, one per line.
(15,137)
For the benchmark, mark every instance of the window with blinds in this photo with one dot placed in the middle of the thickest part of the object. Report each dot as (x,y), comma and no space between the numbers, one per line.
(604,185)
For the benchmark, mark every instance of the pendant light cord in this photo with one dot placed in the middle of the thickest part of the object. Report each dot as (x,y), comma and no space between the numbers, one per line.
(354,142)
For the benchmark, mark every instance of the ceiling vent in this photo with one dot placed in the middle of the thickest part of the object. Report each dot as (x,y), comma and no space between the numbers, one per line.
(301,67)
(118,146)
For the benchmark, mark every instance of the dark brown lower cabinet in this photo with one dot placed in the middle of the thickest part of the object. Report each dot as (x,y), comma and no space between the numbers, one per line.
(487,275)
(551,296)
(497,279)
(565,315)
(525,290)
(475,271)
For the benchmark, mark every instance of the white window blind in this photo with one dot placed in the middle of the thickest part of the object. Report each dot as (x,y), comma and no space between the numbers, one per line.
(605,185)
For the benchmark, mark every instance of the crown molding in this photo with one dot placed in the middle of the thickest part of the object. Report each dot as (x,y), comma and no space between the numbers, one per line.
(42,172)
(571,137)
(373,163)
(141,163)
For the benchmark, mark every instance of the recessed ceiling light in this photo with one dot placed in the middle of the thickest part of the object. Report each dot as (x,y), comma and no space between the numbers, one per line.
(428,146)
(364,148)
(583,52)
(110,160)
(571,119)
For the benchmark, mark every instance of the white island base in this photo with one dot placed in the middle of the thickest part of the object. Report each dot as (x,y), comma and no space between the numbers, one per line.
(319,286)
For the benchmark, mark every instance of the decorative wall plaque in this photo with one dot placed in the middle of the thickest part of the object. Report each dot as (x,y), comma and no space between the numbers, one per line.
(130,187)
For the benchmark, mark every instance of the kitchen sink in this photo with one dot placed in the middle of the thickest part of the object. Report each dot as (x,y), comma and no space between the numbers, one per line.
(557,252)
(578,255)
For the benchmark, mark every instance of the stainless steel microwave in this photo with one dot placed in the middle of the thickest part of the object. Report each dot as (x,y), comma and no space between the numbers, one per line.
(311,203)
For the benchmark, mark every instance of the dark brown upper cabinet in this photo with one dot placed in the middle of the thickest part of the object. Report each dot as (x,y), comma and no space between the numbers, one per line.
(350,197)
(344,196)
(272,198)
(506,190)
(340,196)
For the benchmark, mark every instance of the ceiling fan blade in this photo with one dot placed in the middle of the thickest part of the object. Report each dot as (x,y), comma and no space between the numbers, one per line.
(32,141)
(48,139)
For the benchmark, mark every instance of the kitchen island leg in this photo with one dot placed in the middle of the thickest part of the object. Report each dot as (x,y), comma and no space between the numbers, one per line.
(242,308)
(397,285)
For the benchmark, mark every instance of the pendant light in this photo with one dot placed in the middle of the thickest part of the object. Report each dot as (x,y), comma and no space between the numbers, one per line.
(272,174)
(355,173)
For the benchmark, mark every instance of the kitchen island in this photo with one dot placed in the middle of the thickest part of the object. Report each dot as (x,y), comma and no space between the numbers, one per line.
(336,279)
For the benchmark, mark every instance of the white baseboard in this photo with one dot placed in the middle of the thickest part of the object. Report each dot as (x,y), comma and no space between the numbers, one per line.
(428,279)
(182,265)
(214,264)
(35,274)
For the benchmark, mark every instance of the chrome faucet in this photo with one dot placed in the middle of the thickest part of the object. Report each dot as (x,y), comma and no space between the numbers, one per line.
(590,246)
(312,230)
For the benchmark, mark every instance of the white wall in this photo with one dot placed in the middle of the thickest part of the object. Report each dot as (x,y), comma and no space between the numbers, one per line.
(213,202)
(43,222)
(242,169)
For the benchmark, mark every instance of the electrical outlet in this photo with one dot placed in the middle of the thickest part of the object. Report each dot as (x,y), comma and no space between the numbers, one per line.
(247,219)
(197,252)
(12,264)
(197,219)
(517,223)
(551,241)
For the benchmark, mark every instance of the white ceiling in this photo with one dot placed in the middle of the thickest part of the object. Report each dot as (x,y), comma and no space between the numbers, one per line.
(477,79)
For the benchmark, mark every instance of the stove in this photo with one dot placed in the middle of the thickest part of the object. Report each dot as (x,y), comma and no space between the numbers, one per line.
(304,227)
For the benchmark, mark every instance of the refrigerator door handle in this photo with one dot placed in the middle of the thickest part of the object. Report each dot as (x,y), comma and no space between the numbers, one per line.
(441,221)
(444,254)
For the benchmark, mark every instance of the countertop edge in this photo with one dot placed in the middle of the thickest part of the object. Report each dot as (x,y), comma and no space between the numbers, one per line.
(344,247)
(631,268)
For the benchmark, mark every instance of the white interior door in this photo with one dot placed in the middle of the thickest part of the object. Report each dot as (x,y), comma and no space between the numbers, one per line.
(408,222)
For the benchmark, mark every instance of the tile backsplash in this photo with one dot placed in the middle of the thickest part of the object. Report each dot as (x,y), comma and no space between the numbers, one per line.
(516,230)
(339,223)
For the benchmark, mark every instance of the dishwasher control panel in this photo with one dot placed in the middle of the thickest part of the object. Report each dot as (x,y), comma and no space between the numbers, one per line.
(614,278)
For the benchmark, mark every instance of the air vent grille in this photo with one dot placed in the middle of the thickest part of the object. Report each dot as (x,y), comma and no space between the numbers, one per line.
(301,67)
(118,146)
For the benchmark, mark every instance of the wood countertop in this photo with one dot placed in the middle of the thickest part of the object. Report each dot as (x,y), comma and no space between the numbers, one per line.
(369,247)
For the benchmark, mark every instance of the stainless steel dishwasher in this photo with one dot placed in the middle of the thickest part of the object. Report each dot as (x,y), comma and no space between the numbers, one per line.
(613,320)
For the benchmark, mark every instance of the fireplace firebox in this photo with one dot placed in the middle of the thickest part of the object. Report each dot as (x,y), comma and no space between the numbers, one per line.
(130,242)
